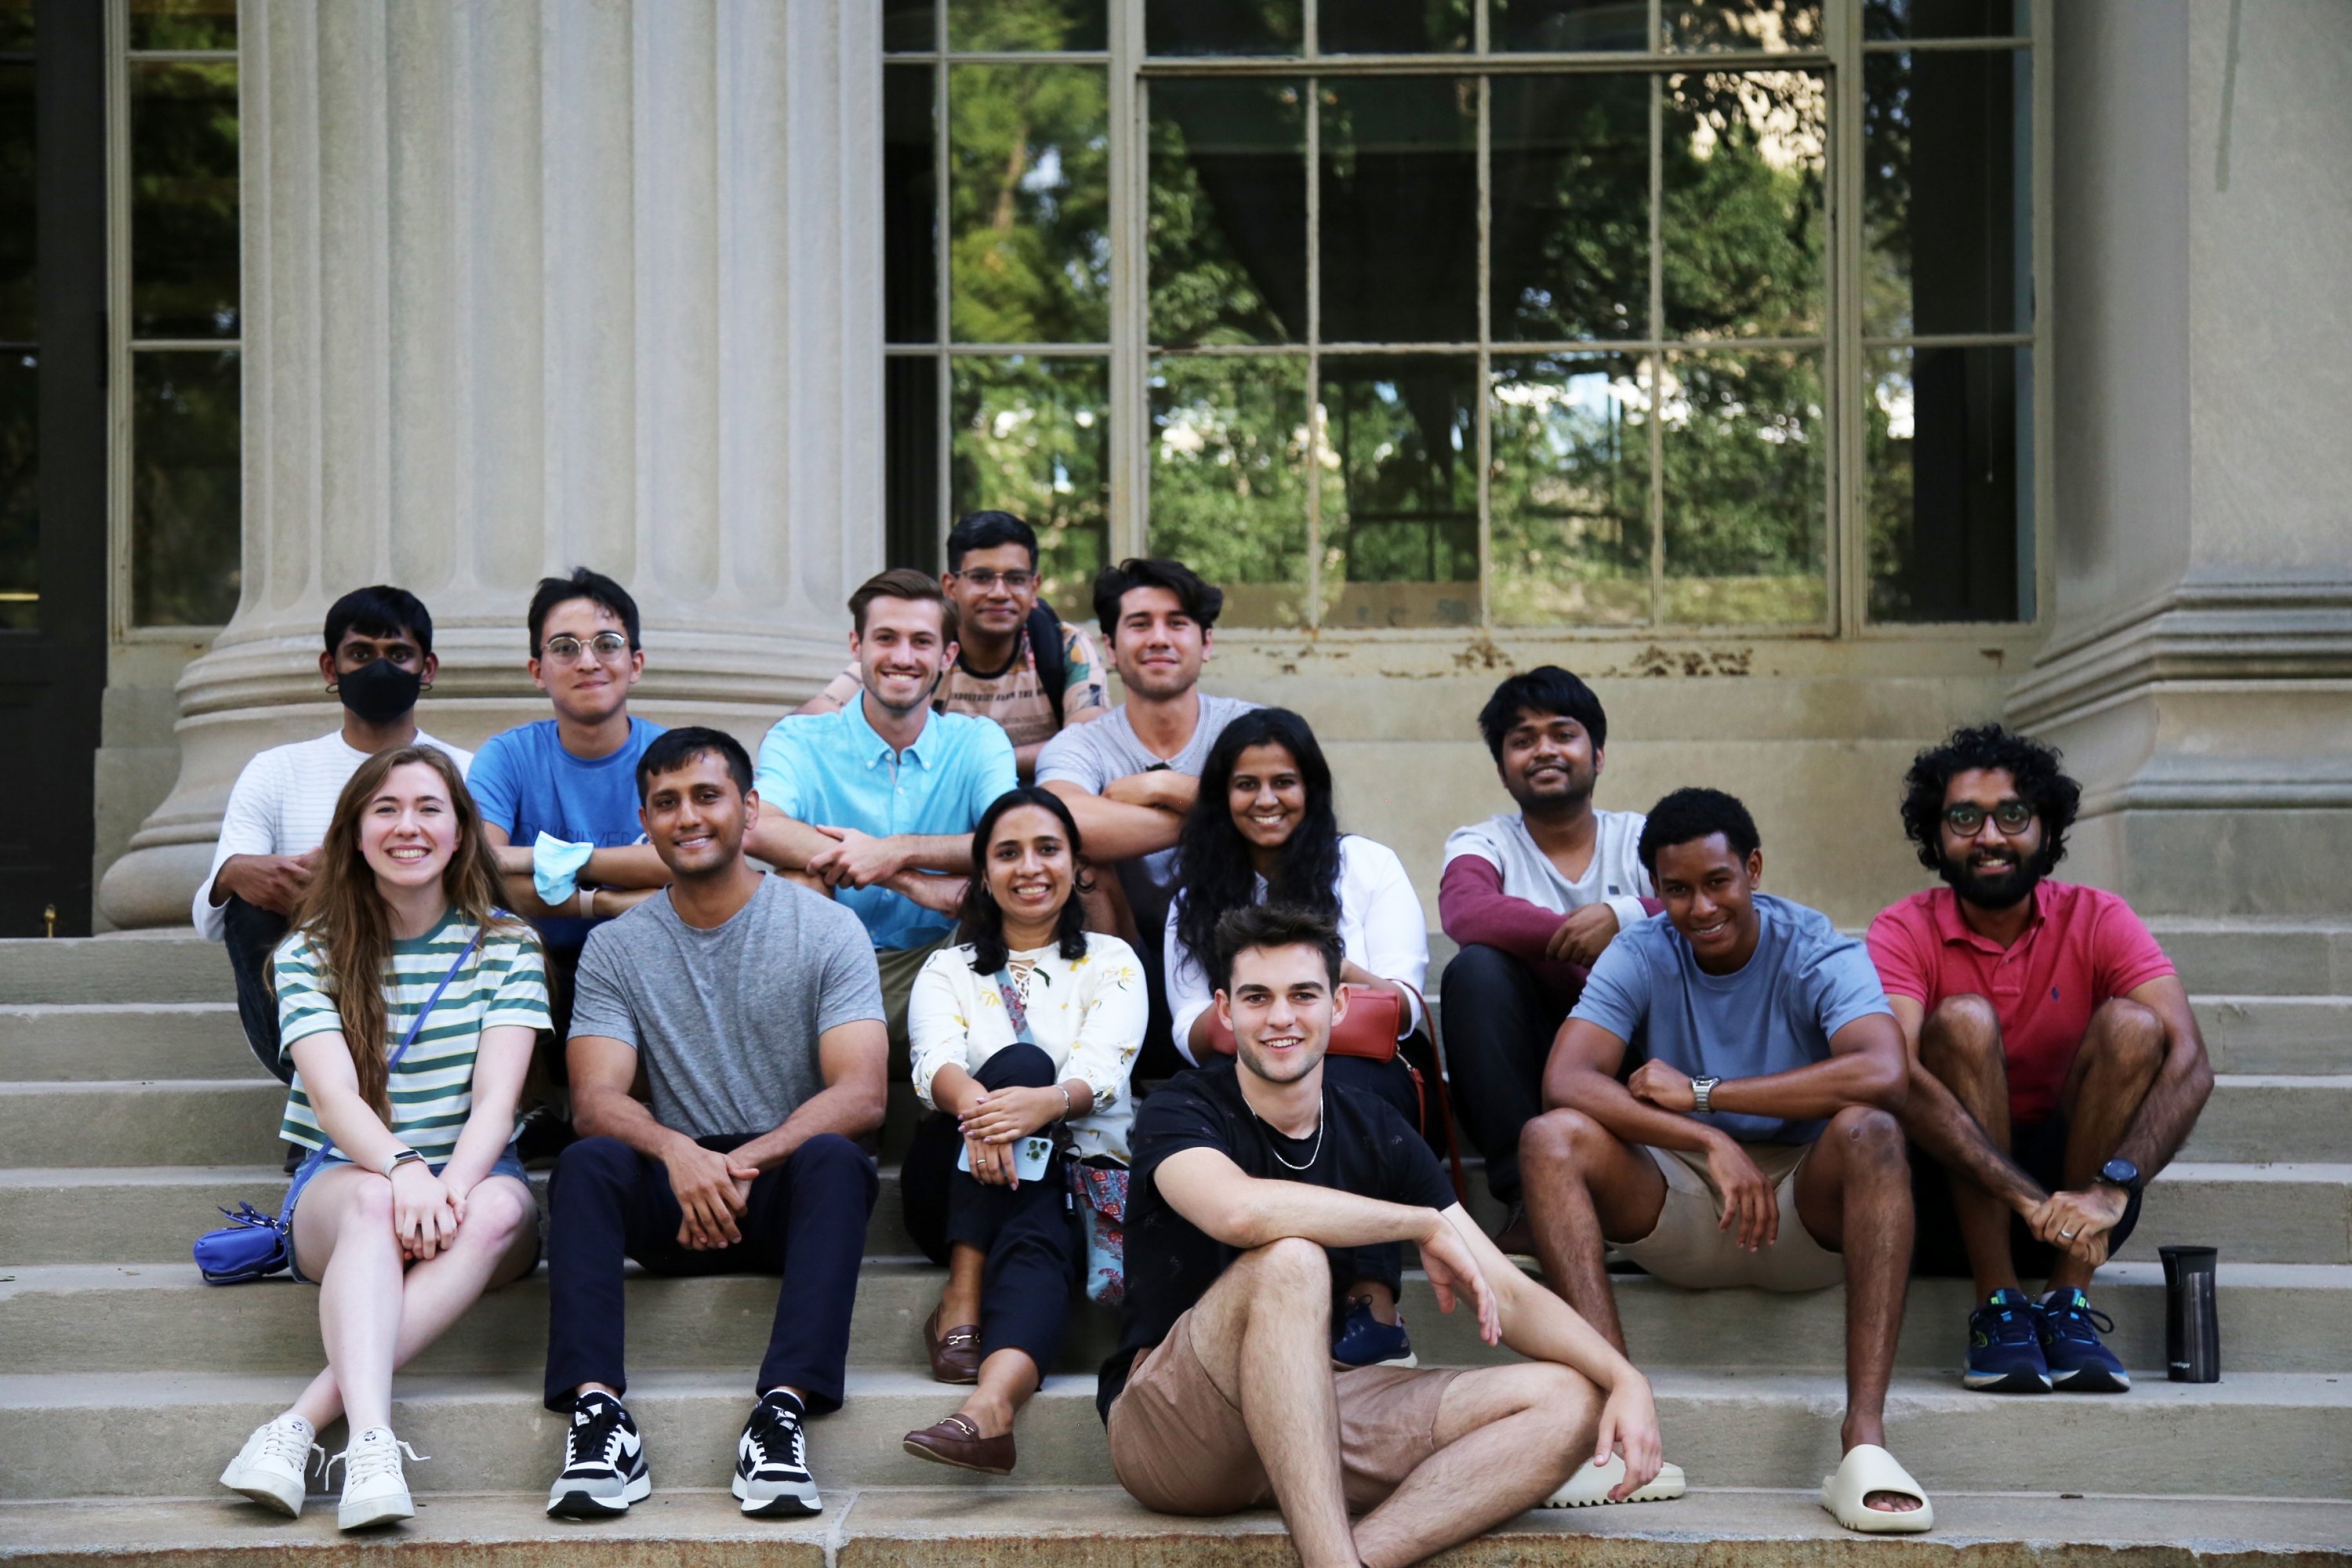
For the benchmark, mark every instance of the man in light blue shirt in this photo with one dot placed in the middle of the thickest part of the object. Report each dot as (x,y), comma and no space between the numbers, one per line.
(878,800)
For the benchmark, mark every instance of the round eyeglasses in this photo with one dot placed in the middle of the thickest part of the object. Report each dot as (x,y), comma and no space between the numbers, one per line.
(606,646)
(2010,816)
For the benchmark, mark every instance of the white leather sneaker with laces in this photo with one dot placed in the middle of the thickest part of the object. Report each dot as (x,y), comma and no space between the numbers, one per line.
(375,1492)
(271,1467)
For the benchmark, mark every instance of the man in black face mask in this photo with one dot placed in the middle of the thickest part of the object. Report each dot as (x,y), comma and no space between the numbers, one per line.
(378,659)
(2055,1069)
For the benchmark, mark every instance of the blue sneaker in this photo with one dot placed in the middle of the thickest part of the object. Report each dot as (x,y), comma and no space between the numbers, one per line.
(1365,1341)
(2079,1362)
(2005,1347)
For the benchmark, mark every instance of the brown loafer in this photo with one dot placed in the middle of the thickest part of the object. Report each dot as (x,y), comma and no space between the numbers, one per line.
(955,1355)
(956,1441)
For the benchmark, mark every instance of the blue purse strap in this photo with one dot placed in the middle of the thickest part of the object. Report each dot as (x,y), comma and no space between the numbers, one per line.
(1016,1009)
(319,1155)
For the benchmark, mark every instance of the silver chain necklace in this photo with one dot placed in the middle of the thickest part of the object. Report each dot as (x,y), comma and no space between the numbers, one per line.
(1322,1121)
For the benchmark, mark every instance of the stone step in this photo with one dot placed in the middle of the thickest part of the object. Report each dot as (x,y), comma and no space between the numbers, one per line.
(128,966)
(161,1316)
(2275,1116)
(2275,957)
(2253,1435)
(160,1121)
(2251,1034)
(97,1041)
(2257,1214)
(1087,1527)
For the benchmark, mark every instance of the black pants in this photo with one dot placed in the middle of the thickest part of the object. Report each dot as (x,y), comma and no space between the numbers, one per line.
(1499,1026)
(1391,1080)
(806,1221)
(252,934)
(1026,1231)
(2039,1149)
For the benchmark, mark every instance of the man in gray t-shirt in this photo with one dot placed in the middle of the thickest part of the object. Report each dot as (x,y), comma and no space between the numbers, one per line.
(1130,776)
(753,1009)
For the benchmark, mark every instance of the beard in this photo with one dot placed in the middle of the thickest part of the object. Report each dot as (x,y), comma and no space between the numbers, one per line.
(1567,797)
(1993,886)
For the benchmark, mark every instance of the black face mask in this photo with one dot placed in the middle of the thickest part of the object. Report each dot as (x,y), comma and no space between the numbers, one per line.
(380,692)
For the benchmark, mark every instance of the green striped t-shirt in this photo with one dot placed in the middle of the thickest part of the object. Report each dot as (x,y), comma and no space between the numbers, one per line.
(432,1089)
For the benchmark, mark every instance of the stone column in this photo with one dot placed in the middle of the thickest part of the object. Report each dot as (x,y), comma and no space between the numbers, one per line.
(2201,674)
(532,285)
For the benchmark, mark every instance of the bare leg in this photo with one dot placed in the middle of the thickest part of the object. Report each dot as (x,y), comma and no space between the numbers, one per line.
(1513,1435)
(2121,1052)
(960,1300)
(1585,1188)
(1853,1194)
(1383,1300)
(1957,1110)
(344,1234)
(1007,1379)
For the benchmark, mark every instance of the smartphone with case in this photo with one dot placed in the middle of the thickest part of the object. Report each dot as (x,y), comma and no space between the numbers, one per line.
(1030,1159)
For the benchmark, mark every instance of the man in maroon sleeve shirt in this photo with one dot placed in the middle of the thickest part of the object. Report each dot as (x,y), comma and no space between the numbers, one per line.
(1531,897)
(2056,1065)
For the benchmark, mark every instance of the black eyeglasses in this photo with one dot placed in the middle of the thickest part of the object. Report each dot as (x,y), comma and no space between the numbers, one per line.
(981,578)
(2010,816)
(606,645)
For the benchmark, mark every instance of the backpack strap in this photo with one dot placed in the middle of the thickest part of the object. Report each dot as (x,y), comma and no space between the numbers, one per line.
(1048,656)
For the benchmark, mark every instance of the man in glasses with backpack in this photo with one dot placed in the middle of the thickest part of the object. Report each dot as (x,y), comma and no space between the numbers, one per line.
(2056,1065)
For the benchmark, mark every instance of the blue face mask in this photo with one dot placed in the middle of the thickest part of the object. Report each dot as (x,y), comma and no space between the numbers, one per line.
(380,692)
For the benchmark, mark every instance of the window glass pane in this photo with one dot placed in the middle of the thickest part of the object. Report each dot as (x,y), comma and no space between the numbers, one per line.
(1222,27)
(17,204)
(17,25)
(1002,26)
(1773,25)
(184,484)
(1400,495)
(1945,487)
(1029,203)
(1229,479)
(1393,26)
(1571,207)
(1947,18)
(911,536)
(1227,223)
(1742,228)
(1744,452)
(183,24)
(1571,492)
(910,25)
(1943,194)
(909,208)
(184,201)
(1032,437)
(20,516)
(1568,26)
(1400,209)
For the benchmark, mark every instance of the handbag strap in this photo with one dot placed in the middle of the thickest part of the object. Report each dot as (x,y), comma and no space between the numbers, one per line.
(1016,1009)
(318,1154)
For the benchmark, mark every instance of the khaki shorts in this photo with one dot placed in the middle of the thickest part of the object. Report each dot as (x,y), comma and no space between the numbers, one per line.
(1179,1446)
(900,965)
(1685,1248)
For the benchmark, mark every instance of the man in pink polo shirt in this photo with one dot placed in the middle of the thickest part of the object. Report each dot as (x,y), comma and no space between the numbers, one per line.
(2056,1065)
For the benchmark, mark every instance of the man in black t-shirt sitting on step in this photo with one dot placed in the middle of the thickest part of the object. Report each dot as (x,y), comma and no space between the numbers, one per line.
(1223,1394)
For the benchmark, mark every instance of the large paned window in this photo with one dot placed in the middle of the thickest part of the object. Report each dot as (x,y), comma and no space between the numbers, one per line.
(177,386)
(1564,314)
(20,420)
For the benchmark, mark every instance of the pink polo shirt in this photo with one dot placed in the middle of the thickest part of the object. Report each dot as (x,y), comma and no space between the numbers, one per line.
(2083,947)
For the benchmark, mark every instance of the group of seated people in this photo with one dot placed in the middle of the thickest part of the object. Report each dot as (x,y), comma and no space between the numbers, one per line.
(1167,1024)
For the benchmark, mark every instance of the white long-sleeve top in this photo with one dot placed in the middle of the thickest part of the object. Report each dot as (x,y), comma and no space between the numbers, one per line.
(1381,926)
(1088,1014)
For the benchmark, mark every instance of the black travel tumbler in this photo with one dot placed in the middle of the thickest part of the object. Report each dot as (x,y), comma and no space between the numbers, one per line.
(2192,1333)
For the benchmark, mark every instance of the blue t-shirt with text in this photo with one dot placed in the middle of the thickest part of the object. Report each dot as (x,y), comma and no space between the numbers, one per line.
(525,782)
(1775,1013)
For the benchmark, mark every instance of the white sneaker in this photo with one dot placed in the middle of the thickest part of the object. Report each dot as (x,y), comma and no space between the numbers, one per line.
(271,1467)
(374,1489)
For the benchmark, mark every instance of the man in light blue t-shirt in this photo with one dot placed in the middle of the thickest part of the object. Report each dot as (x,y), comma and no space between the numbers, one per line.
(1754,1144)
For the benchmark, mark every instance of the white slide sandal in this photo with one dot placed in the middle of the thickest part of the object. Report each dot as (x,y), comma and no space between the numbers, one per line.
(1868,1468)
(1592,1483)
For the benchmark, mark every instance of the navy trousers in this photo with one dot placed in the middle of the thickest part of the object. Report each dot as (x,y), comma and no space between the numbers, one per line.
(1499,1026)
(252,934)
(806,1221)
(1026,1232)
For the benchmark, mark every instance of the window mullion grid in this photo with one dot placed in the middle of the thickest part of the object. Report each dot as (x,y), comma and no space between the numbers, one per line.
(118,316)
(943,284)
(1656,358)
(1844,376)
(1315,413)
(1126,528)
(1486,432)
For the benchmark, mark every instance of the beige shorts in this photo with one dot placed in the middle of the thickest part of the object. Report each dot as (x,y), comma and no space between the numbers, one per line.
(1179,1446)
(1685,1247)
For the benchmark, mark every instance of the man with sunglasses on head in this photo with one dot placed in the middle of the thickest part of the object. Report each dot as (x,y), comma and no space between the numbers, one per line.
(1017,662)
(2056,1067)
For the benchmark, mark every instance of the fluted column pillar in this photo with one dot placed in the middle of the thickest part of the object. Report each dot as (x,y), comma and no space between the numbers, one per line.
(535,285)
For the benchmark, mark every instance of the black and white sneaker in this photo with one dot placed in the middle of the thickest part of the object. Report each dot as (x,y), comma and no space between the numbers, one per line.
(603,1461)
(772,1461)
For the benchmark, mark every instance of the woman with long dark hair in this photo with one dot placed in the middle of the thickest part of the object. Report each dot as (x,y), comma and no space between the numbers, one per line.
(420,1203)
(1030,1026)
(1264,829)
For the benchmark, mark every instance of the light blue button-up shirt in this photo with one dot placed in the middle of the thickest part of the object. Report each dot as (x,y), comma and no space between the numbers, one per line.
(832,770)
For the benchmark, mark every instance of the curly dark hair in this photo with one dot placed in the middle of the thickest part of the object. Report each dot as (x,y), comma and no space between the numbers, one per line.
(1213,860)
(981,919)
(2041,783)
(1692,813)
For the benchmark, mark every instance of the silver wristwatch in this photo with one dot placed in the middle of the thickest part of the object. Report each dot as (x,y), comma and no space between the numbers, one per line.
(1701,1089)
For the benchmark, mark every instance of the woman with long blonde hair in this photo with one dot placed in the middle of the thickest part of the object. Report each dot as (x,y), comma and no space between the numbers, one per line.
(413,1202)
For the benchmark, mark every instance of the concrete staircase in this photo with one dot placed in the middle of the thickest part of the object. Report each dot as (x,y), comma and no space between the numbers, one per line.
(131,1108)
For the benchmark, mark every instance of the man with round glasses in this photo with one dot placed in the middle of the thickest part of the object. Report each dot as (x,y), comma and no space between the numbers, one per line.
(2056,1067)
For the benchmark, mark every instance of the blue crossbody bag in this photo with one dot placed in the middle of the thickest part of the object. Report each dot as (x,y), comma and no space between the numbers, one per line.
(253,1245)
